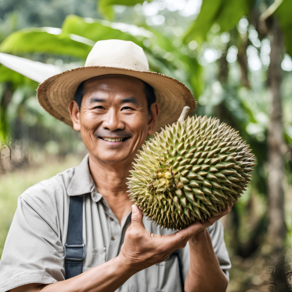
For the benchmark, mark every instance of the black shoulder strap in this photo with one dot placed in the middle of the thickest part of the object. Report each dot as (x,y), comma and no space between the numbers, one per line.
(74,247)
(176,253)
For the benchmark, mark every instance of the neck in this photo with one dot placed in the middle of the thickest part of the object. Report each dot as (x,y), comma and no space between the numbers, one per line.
(110,180)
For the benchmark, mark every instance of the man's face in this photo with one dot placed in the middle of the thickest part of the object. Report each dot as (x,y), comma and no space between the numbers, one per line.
(113,119)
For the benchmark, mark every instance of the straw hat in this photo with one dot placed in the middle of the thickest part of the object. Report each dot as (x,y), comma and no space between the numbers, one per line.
(115,57)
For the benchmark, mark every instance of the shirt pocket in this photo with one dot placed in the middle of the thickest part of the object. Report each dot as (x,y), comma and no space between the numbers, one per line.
(94,257)
(157,276)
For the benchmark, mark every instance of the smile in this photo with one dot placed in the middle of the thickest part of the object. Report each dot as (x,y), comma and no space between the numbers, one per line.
(114,139)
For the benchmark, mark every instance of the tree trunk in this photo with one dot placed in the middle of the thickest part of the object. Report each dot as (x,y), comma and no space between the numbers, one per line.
(277,227)
(242,61)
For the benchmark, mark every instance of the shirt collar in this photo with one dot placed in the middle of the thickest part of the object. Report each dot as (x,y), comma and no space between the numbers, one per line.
(82,182)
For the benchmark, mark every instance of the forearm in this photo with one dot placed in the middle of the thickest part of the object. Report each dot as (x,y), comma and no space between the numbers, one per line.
(105,277)
(204,273)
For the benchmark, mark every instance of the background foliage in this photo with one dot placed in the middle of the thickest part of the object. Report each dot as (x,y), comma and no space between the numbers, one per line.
(220,49)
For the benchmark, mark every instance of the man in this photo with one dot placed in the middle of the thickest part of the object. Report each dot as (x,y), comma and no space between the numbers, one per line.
(112,103)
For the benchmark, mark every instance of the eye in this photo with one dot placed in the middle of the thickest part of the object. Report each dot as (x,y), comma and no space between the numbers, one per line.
(98,107)
(127,108)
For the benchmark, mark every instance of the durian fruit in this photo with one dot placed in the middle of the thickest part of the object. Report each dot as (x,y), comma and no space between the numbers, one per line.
(190,171)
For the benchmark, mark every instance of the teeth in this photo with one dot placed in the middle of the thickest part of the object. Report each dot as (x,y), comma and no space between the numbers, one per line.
(113,140)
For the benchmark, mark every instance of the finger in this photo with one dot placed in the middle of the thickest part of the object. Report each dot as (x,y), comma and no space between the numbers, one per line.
(192,229)
(213,219)
(227,209)
(137,217)
(224,212)
(180,238)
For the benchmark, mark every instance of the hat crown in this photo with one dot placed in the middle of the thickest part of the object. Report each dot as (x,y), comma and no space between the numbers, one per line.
(119,54)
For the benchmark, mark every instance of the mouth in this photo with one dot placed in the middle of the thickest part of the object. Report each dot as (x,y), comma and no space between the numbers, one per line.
(114,139)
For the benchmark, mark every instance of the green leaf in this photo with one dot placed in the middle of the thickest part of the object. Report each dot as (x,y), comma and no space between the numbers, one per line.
(4,128)
(224,13)
(105,6)
(14,79)
(180,60)
(231,12)
(196,77)
(284,16)
(123,2)
(46,40)
(105,10)
(8,75)
(202,24)
(96,30)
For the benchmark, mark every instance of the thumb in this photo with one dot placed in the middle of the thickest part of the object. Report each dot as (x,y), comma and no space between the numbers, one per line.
(137,216)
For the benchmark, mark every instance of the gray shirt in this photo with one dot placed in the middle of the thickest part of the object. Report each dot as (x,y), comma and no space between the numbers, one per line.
(34,248)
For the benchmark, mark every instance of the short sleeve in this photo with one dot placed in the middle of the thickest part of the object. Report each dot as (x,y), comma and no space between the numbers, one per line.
(216,232)
(33,252)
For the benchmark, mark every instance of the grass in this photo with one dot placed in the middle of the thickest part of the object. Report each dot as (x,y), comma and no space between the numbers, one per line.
(15,183)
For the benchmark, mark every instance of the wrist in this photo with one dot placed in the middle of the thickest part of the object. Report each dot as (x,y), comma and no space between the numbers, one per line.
(198,237)
(126,265)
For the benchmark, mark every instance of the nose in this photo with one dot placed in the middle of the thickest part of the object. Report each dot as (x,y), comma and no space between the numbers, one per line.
(112,121)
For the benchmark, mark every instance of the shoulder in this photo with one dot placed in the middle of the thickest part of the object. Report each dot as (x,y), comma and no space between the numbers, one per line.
(44,206)
(49,191)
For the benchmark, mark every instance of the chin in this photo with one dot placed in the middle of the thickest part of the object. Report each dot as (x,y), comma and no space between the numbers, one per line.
(115,159)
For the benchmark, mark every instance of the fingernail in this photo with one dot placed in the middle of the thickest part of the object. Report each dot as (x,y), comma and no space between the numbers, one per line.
(134,209)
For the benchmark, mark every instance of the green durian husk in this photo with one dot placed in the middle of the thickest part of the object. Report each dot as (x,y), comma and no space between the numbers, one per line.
(190,171)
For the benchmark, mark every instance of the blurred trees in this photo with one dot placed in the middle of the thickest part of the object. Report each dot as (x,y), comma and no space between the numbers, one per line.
(234,55)
(267,27)
(31,130)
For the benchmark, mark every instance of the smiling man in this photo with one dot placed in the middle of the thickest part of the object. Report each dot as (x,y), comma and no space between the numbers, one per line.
(78,231)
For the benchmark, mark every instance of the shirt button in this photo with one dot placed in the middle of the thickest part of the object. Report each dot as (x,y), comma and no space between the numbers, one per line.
(112,238)
(112,219)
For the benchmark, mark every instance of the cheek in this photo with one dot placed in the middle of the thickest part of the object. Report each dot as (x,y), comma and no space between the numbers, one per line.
(88,125)
(85,118)
(140,129)
(138,124)
(139,121)
(88,120)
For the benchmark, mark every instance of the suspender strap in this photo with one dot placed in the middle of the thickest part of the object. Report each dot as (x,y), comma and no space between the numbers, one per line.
(176,253)
(74,247)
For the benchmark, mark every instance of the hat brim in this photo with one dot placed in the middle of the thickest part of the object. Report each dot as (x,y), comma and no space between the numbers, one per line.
(55,93)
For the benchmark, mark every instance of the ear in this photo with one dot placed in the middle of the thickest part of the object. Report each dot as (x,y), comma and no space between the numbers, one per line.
(74,114)
(152,119)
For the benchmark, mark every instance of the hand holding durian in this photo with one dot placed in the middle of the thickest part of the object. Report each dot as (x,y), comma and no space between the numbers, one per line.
(190,171)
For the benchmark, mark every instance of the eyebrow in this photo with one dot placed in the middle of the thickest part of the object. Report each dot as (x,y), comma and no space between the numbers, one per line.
(131,99)
(96,99)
